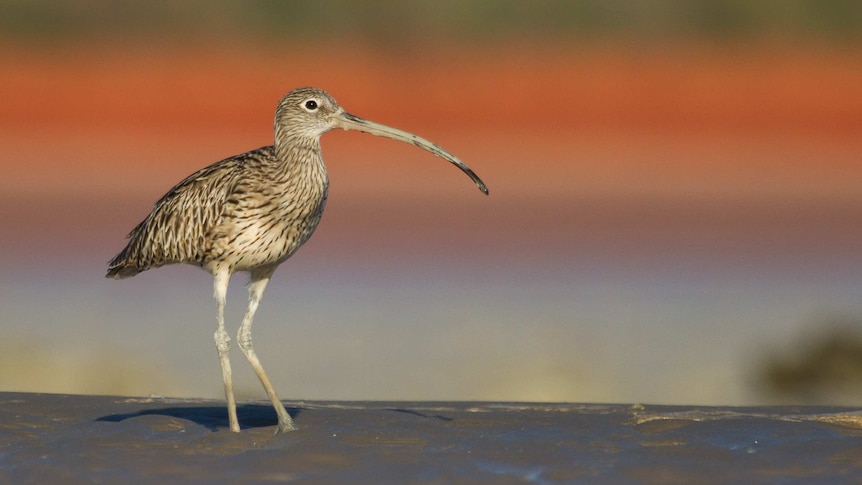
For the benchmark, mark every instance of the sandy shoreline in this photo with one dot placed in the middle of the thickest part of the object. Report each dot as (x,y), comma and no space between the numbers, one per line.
(99,439)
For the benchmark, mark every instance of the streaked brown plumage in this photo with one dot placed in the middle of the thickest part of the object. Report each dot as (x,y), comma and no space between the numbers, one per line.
(251,212)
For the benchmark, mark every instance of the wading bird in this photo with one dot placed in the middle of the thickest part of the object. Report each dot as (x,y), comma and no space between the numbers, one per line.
(251,212)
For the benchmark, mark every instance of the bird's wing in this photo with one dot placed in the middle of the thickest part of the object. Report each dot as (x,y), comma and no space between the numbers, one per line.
(177,229)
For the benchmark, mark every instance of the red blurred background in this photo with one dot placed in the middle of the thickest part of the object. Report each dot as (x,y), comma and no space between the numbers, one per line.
(616,163)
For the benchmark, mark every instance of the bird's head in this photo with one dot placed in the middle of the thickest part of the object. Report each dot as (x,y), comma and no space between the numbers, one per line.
(305,114)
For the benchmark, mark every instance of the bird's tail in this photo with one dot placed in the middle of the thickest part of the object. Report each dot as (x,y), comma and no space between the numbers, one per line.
(129,261)
(120,272)
(122,266)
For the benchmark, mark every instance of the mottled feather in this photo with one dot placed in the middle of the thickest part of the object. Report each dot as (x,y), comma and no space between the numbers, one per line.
(250,210)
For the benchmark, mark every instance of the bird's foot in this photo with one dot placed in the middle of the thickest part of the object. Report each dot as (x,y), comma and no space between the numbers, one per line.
(285,423)
(285,427)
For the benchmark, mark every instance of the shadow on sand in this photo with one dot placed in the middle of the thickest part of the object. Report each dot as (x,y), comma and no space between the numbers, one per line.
(212,417)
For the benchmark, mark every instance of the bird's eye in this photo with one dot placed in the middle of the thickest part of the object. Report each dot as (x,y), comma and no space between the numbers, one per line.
(311,105)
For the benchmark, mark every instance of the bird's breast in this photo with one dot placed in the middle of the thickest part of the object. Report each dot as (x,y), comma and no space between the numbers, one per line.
(264,228)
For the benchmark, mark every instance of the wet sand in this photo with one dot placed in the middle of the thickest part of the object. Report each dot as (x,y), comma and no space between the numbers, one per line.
(49,438)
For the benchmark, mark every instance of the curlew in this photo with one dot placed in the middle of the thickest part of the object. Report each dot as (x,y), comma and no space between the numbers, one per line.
(251,212)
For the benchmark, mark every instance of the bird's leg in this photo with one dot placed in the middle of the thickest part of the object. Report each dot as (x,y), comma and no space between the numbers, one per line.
(222,340)
(259,280)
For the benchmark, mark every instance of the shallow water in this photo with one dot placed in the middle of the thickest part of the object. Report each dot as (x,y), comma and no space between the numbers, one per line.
(50,438)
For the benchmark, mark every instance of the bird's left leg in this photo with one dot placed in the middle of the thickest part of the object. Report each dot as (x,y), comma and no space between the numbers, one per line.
(259,280)
(222,340)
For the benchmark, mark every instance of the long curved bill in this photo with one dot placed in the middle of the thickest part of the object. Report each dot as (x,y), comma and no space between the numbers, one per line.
(347,121)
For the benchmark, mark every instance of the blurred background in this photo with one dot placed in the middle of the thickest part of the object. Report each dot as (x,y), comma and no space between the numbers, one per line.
(675,212)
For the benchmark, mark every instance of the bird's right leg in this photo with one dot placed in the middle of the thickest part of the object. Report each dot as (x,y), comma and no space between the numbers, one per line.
(259,280)
(222,340)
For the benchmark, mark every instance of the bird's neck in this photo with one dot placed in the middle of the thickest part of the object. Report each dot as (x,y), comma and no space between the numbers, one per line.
(300,157)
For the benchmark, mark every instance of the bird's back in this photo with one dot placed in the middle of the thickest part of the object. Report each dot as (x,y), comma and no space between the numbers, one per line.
(245,211)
